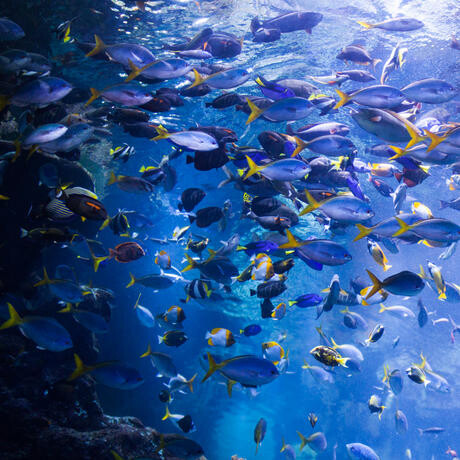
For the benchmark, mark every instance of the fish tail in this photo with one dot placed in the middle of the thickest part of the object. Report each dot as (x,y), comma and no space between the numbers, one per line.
(105,223)
(382,308)
(334,345)
(344,98)
(230,384)
(45,279)
(191,264)
(312,204)
(284,446)
(415,137)
(376,284)
(292,302)
(300,146)
(435,140)
(422,273)
(292,242)
(190,383)
(375,62)
(420,431)
(305,365)
(66,309)
(385,374)
(363,231)
(198,79)
(14,320)
(147,353)
(132,280)
(443,204)
(343,361)
(386,267)
(253,168)
(95,94)
(213,367)
(404,227)
(162,133)
(136,71)
(100,46)
(112,179)
(366,25)
(399,152)
(303,440)
(167,414)
(381,412)
(256,112)
(116,456)
(80,368)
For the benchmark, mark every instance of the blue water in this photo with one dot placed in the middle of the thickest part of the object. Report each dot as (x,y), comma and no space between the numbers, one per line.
(225,425)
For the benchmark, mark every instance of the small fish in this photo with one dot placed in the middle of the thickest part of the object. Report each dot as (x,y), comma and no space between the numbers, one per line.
(316,441)
(173,338)
(183,422)
(163,259)
(377,254)
(123,153)
(220,337)
(328,356)
(375,334)
(259,432)
(251,330)
(375,405)
(313,419)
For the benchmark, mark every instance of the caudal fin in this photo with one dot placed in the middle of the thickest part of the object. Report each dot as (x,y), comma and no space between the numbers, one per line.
(253,168)
(292,242)
(256,112)
(344,98)
(213,366)
(435,140)
(191,264)
(198,79)
(403,227)
(303,440)
(363,232)
(99,47)
(376,285)
(14,320)
(312,204)
(131,281)
(366,25)
(95,94)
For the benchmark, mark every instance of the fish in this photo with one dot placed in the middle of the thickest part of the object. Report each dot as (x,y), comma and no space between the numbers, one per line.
(174,338)
(249,371)
(155,281)
(316,441)
(395,61)
(224,79)
(288,450)
(377,254)
(183,422)
(190,198)
(288,109)
(10,31)
(375,334)
(328,356)
(162,362)
(251,330)
(313,419)
(400,24)
(220,337)
(375,405)
(357,54)
(45,332)
(144,315)
(404,283)
(377,96)
(430,91)
(401,423)
(359,451)
(259,432)
(394,379)
(131,184)
(188,140)
(398,310)
(436,430)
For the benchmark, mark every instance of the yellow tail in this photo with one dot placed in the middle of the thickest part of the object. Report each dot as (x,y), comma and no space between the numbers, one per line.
(343,361)
(45,280)
(167,414)
(253,168)
(435,140)
(303,440)
(213,367)
(136,71)
(366,25)
(382,308)
(100,46)
(255,111)
(376,284)
(198,79)
(292,242)
(14,320)
(363,232)
(131,281)
(112,179)
(191,264)
(300,146)
(344,98)
(80,368)
(190,383)
(312,204)
(162,133)
(404,227)
(399,152)
(147,353)
(105,223)
(95,94)
(284,446)
(415,136)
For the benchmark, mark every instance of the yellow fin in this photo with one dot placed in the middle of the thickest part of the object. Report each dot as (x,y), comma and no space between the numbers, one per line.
(344,98)
(255,111)
(376,284)
(198,79)
(100,46)
(14,320)
(95,94)
(366,25)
